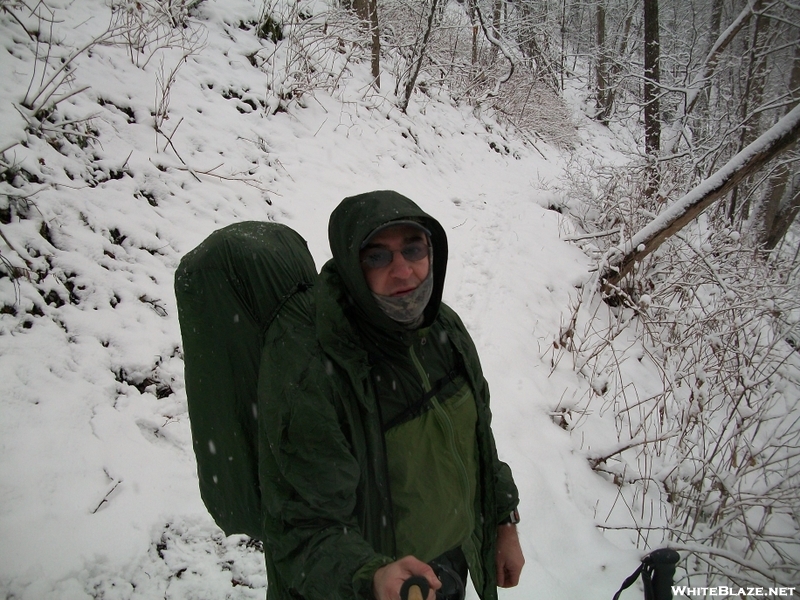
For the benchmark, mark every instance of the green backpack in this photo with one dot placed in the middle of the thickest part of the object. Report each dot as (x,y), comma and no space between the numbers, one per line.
(229,289)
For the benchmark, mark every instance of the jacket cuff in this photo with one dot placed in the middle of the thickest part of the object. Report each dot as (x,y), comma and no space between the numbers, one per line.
(362,579)
(506,493)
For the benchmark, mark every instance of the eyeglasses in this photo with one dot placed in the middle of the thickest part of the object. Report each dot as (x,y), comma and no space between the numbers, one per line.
(378,258)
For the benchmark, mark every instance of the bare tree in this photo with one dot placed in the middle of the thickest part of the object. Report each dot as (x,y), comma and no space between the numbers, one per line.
(652,79)
(703,75)
(780,203)
(603,95)
(367,11)
(420,52)
(472,7)
(752,96)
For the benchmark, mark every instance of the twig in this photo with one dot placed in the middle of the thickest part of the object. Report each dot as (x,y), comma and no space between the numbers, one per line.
(588,236)
(42,92)
(106,497)
(250,181)
(7,148)
(23,255)
(633,444)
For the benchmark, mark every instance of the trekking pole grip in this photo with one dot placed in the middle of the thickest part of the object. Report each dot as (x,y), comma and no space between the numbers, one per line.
(415,588)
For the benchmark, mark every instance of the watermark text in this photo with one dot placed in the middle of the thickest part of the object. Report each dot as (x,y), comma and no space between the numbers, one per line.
(735,591)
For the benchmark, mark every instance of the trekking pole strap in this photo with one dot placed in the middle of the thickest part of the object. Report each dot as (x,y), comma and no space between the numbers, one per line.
(657,570)
(629,581)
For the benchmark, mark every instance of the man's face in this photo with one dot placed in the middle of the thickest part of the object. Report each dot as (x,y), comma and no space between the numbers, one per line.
(405,271)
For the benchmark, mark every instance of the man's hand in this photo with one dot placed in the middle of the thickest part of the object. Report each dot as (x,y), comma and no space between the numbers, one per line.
(509,558)
(388,580)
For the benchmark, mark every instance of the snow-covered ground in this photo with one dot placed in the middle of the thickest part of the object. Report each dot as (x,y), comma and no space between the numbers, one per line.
(98,491)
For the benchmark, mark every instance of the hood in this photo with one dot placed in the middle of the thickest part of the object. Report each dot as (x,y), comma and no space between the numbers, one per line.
(350,224)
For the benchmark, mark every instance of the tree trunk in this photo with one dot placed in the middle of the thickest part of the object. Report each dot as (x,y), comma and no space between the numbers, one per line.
(562,61)
(778,208)
(601,64)
(367,11)
(781,202)
(652,77)
(473,19)
(714,22)
(420,52)
(785,216)
(496,15)
(376,43)
(782,135)
(752,96)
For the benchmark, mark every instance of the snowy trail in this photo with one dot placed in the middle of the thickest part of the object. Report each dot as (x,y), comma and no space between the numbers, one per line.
(514,283)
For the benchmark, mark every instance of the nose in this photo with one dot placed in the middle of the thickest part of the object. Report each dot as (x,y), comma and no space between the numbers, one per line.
(400,267)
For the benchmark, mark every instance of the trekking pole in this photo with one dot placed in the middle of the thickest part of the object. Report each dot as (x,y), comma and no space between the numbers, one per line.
(656,570)
(415,588)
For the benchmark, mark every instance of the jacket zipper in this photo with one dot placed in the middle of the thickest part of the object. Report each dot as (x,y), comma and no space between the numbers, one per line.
(449,432)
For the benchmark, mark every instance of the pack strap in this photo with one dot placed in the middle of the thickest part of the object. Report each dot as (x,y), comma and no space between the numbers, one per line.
(418,407)
(297,288)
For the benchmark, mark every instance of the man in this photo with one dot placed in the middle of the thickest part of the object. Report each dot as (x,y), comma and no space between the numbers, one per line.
(379,455)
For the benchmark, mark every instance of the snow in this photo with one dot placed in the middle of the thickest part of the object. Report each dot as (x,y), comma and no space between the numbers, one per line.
(98,490)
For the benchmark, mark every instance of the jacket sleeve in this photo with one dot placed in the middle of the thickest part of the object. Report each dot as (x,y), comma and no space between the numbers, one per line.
(506,493)
(309,478)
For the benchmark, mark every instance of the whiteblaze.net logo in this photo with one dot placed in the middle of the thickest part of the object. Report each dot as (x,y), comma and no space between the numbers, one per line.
(724,591)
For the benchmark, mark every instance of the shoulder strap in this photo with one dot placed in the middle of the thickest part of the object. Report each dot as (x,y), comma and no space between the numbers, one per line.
(418,407)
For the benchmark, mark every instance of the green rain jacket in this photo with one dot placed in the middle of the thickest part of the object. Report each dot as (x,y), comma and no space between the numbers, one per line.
(324,469)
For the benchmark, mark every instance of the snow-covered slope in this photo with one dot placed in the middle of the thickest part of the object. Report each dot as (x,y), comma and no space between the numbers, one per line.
(98,492)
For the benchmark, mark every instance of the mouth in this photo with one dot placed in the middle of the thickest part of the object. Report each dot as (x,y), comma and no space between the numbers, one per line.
(403,292)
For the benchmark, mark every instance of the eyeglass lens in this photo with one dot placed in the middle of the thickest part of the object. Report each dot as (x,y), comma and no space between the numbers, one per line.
(377,258)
